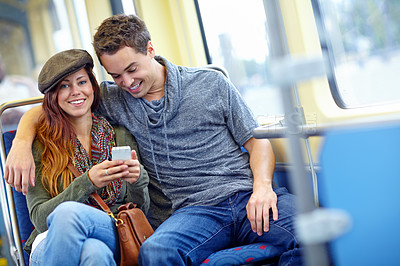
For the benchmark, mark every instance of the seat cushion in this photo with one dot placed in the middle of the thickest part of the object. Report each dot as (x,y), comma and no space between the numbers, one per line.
(243,255)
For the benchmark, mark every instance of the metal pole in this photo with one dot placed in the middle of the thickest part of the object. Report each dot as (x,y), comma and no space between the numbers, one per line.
(316,254)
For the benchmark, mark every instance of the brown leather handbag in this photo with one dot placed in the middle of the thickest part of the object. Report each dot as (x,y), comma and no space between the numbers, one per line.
(132,225)
(133,229)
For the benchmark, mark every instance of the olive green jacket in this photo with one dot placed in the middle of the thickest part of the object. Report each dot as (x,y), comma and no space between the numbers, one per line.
(40,204)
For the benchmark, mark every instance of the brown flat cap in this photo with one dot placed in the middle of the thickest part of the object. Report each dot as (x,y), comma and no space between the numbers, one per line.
(61,65)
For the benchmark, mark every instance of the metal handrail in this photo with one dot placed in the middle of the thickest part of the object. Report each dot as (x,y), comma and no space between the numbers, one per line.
(6,194)
(279,130)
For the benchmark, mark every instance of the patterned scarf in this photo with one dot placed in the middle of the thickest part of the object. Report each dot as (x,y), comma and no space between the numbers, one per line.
(102,136)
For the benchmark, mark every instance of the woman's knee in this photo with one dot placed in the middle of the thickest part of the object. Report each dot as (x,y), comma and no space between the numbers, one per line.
(65,214)
(65,208)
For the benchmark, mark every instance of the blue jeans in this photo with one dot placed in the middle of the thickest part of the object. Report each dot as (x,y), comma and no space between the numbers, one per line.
(78,234)
(192,233)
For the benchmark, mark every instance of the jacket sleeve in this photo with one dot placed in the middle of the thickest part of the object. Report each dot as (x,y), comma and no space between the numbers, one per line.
(137,192)
(39,202)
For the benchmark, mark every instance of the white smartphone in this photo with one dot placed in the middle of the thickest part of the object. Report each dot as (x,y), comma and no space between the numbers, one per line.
(121,153)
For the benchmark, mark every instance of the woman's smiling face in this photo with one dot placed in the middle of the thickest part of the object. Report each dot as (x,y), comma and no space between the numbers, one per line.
(75,94)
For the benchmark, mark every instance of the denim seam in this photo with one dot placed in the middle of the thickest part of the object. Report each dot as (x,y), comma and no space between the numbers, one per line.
(287,231)
(234,216)
(209,239)
(234,197)
(290,233)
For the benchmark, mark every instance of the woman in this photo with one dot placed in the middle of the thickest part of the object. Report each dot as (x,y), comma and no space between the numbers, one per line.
(60,205)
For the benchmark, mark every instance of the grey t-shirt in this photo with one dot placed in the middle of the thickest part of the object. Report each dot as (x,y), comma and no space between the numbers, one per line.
(190,140)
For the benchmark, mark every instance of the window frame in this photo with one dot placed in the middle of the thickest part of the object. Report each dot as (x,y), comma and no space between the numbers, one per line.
(327,51)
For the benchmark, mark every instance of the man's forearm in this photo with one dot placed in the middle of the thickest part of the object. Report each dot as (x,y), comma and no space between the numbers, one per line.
(263,198)
(262,161)
(20,166)
(26,131)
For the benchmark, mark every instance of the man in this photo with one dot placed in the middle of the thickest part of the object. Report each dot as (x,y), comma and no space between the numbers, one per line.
(190,124)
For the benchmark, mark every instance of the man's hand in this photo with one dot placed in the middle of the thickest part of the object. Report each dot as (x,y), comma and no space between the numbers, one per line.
(261,201)
(20,166)
(262,164)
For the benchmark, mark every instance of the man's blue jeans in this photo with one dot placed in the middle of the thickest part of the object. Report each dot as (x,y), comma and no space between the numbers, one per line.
(192,233)
(78,234)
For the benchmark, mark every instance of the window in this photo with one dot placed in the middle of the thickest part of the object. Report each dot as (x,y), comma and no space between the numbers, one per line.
(128,6)
(15,70)
(236,34)
(363,41)
(61,29)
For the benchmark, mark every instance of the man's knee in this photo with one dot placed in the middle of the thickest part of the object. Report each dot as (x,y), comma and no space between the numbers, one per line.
(147,247)
(154,251)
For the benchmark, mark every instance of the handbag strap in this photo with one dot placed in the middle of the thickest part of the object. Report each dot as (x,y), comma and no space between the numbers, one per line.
(95,196)
(73,170)
(101,202)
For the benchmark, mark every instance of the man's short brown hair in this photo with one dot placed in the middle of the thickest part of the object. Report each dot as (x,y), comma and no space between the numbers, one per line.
(119,31)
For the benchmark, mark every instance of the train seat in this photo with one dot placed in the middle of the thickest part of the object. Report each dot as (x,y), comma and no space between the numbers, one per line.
(360,175)
(25,226)
(260,253)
